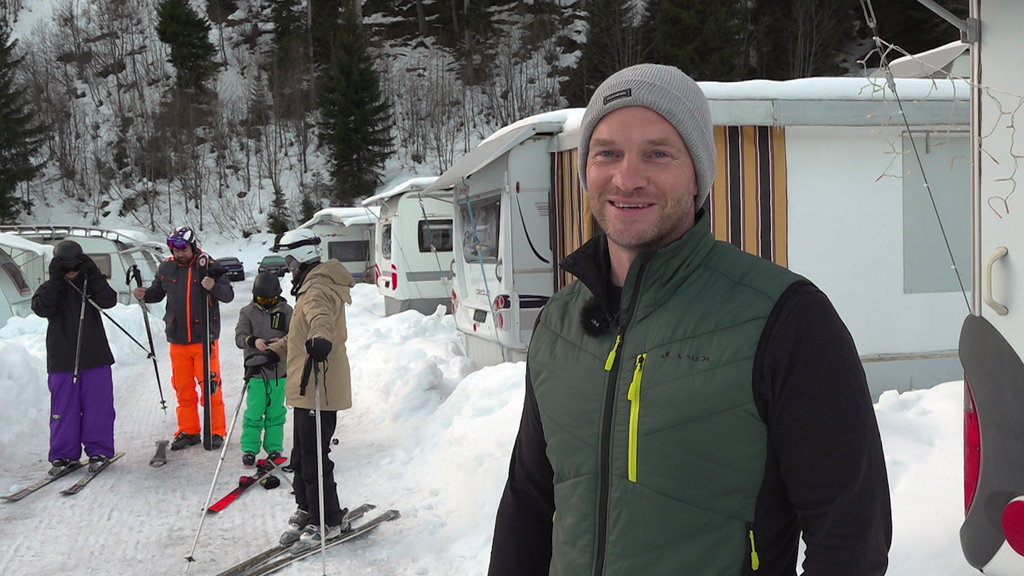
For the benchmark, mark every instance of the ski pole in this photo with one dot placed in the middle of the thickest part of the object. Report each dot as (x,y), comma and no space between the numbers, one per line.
(319,464)
(134,272)
(223,451)
(81,324)
(149,354)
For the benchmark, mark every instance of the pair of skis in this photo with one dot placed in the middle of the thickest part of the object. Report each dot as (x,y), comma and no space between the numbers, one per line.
(277,557)
(74,489)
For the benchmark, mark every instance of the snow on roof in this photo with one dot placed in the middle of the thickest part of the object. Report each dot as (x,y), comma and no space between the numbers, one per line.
(345,216)
(833,89)
(15,241)
(411,185)
(569,118)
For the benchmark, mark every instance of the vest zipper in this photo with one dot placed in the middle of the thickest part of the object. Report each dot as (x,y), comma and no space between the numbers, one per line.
(612,367)
(634,413)
(755,562)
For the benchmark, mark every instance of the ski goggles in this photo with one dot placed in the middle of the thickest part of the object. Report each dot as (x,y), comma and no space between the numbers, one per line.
(267,301)
(72,266)
(177,243)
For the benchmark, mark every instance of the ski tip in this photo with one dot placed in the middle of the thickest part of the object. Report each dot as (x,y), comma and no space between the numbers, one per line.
(162,443)
(157,463)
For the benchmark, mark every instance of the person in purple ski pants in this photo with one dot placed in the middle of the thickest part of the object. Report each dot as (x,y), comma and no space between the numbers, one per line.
(78,358)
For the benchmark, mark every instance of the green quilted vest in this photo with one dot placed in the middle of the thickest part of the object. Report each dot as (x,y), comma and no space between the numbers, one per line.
(656,444)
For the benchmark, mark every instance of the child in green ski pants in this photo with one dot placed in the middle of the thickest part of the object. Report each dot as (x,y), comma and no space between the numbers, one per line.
(262,321)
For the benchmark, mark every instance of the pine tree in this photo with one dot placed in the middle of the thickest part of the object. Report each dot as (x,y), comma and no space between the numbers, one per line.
(703,38)
(355,116)
(21,135)
(188,35)
(612,44)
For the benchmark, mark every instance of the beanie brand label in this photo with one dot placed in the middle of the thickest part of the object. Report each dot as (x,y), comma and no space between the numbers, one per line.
(618,96)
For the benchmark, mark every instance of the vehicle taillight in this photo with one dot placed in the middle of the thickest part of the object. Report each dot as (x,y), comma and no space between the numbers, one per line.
(394,277)
(455,300)
(972,447)
(376,274)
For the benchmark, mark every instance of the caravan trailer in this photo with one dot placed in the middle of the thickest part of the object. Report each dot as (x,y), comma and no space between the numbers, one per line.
(347,236)
(15,291)
(503,255)
(992,337)
(816,174)
(113,251)
(413,247)
(31,257)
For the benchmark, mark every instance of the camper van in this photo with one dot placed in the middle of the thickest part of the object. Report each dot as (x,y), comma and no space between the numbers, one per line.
(413,247)
(503,265)
(347,236)
(15,291)
(992,337)
(113,251)
(31,257)
(819,175)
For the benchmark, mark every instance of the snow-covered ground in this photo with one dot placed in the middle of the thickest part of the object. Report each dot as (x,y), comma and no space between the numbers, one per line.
(429,435)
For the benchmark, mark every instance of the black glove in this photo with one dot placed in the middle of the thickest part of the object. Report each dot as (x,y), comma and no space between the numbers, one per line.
(56,274)
(318,348)
(89,268)
(272,359)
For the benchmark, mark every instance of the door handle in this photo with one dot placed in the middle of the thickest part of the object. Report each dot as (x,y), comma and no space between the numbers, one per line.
(986,281)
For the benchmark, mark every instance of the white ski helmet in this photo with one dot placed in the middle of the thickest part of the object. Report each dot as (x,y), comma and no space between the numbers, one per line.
(298,247)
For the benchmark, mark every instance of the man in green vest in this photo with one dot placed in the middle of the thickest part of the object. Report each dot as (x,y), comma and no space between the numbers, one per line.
(690,409)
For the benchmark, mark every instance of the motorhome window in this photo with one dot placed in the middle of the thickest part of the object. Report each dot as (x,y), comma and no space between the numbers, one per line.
(486,214)
(436,233)
(926,263)
(385,241)
(349,251)
(102,262)
(17,277)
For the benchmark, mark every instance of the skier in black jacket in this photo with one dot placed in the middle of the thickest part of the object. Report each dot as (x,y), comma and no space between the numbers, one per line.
(78,358)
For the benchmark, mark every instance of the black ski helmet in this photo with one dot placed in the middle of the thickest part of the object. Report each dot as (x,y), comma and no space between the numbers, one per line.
(67,250)
(266,285)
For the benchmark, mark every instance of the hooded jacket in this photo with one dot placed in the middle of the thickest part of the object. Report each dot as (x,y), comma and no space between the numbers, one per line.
(319,312)
(186,298)
(60,302)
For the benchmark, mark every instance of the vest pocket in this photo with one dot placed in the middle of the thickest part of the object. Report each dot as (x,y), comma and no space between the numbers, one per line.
(634,414)
(750,560)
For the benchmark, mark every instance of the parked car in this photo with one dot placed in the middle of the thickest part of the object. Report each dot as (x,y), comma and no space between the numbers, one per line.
(274,264)
(235,271)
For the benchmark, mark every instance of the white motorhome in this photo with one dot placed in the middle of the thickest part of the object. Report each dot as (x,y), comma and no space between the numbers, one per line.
(346,235)
(15,291)
(818,175)
(992,337)
(503,253)
(413,247)
(113,251)
(31,257)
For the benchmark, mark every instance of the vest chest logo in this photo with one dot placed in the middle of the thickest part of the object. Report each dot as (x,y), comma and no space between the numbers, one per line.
(668,355)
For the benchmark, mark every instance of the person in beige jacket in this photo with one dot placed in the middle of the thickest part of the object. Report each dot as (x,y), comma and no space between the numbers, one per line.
(318,382)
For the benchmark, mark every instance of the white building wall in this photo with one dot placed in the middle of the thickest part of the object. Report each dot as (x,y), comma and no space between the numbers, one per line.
(846,236)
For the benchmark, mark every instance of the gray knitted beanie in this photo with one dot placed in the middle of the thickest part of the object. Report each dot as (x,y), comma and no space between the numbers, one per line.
(669,92)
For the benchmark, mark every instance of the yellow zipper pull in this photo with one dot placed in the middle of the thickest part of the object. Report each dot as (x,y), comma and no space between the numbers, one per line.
(633,395)
(611,355)
(754,561)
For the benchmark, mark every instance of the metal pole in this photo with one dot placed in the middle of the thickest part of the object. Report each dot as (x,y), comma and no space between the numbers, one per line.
(320,465)
(209,495)
(81,324)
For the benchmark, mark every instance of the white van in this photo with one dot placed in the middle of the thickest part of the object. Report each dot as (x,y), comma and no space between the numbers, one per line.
(346,235)
(114,252)
(413,265)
